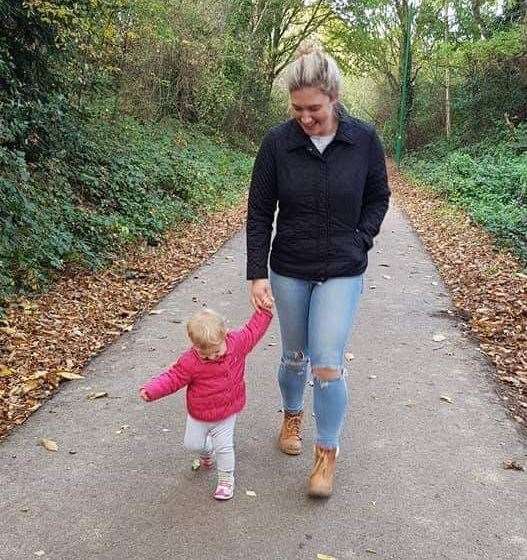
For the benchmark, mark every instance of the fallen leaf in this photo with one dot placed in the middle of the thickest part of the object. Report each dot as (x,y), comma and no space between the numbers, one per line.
(251,493)
(371,551)
(6,372)
(30,385)
(513,465)
(512,380)
(123,428)
(96,395)
(439,337)
(195,464)
(49,444)
(325,557)
(69,375)
(446,398)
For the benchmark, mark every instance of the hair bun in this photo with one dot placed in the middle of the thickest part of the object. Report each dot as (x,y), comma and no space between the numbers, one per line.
(307,47)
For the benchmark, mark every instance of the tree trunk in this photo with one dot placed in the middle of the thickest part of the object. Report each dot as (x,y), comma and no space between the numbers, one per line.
(478,20)
(448,109)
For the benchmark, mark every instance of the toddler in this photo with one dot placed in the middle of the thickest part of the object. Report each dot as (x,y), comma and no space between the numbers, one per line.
(213,372)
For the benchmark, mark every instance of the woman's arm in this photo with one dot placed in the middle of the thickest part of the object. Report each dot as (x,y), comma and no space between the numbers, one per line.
(261,209)
(376,193)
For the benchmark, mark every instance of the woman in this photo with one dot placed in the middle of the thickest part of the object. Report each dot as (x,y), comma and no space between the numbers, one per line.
(326,170)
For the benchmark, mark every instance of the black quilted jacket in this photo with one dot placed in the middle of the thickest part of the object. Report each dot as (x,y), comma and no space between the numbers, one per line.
(330,206)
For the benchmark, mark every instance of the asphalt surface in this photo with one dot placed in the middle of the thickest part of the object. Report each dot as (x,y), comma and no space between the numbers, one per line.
(418,477)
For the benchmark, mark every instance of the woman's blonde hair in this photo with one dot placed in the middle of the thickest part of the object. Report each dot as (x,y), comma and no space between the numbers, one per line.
(313,68)
(206,328)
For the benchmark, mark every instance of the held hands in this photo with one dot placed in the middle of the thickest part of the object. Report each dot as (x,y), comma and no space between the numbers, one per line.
(261,295)
(143,394)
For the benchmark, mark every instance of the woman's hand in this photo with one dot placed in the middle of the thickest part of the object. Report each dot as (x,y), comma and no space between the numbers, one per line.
(144,395)
(261,295)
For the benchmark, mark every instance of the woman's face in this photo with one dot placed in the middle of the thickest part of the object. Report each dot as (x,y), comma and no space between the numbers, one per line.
(314,111)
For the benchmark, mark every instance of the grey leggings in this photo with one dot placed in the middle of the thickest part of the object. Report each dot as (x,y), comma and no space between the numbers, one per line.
(206,437)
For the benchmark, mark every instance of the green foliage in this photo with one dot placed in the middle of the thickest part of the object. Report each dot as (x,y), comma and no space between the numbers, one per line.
(488,179)
(206,67)
(109,184)
(482,46)
(487,83)
(119,118)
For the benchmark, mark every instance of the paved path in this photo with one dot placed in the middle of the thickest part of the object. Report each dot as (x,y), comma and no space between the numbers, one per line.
(418,478)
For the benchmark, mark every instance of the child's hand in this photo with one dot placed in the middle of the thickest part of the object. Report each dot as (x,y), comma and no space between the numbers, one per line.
(144,395)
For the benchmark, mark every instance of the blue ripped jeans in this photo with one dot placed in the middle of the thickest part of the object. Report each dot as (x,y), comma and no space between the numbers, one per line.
(315,323)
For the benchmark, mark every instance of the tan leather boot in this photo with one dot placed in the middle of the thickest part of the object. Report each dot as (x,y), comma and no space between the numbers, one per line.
(320,483)
(290,441)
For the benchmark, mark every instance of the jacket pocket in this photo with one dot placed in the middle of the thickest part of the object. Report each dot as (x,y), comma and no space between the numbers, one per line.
(353,248)
(365,239)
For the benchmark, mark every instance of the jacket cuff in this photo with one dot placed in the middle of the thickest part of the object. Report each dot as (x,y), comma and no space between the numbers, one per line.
(257,274)
(367,239)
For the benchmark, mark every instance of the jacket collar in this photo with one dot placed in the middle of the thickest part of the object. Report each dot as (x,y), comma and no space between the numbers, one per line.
(297,138)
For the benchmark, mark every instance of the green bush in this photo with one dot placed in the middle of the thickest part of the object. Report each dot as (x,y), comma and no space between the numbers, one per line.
(488,179)
(108,183)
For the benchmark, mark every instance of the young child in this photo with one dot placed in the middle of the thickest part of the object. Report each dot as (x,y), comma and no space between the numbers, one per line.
(213,372)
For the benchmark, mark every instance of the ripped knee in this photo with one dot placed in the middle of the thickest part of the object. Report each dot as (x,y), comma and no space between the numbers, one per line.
(296,361)
(327,374)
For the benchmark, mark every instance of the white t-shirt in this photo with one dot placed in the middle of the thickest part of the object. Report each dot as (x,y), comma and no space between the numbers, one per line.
(322,142)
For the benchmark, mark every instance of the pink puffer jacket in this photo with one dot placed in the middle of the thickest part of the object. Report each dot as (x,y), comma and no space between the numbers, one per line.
(215,389)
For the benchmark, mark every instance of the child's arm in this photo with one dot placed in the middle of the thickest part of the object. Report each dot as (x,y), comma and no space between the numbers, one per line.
(248,336)
(170,381)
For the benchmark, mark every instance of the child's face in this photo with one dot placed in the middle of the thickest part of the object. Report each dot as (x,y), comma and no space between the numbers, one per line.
(212,352)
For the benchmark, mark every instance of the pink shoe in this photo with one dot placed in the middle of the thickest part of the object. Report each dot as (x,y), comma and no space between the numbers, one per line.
(225,488)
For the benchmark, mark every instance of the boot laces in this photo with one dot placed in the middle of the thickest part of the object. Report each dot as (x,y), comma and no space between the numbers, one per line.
(292,425)
(322,461)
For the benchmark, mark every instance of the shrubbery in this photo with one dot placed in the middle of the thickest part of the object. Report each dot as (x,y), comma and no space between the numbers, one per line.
(488,179)
(105,184)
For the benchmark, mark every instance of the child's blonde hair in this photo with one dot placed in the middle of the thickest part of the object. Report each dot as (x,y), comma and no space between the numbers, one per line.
(206,328)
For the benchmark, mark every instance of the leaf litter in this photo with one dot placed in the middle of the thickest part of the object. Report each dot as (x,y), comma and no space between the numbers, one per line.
(48,339)
(487,284)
